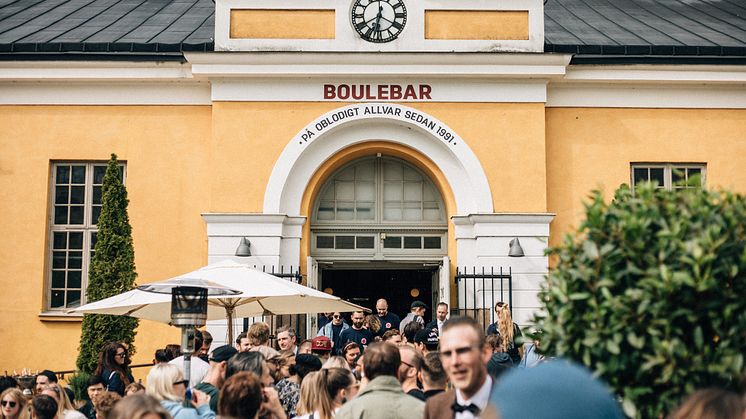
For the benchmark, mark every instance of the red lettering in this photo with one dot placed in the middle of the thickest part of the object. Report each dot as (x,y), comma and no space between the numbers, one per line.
(395,92)
(343,91)
(383,92)
(425,90)
(329,91)
(367,92)
(357,91)
(410,93)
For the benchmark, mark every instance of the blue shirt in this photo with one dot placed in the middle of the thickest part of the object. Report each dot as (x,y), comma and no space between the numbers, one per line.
(388,322)
(362,337)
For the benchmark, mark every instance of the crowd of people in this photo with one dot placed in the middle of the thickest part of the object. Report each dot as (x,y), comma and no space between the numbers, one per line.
(377,366)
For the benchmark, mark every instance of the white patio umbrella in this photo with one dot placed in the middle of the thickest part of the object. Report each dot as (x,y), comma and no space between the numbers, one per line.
(259,294)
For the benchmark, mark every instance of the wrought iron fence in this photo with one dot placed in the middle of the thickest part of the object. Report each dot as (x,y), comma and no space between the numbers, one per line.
(493,285)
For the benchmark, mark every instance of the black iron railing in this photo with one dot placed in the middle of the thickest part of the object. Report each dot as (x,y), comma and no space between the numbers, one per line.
(494,285)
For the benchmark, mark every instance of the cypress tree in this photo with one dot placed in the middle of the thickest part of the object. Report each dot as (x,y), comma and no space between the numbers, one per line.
(111,272)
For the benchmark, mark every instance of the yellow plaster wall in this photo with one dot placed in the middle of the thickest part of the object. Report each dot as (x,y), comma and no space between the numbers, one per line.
(507,138)
(593,148)
(476,25)
(167,151)
(282,24)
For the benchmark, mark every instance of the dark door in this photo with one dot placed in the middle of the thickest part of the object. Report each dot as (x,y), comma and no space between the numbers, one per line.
(365,286)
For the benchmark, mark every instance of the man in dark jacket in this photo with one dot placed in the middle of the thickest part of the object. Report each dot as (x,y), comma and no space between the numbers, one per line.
(95,389)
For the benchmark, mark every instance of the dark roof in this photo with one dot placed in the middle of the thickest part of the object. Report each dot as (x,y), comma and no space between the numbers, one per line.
(587,28)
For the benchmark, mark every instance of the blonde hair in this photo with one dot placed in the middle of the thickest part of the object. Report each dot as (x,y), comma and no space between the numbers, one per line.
(17,395)
(319,388)
(336,362)
(161,379)
(63,402)
(504,323)
(374,322)
(137,406)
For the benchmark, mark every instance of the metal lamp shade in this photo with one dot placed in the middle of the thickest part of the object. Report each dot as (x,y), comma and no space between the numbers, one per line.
(516,250)
(188,306)
(244,248)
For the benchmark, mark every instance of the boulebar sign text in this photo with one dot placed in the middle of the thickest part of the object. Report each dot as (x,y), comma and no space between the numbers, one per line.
(377,92)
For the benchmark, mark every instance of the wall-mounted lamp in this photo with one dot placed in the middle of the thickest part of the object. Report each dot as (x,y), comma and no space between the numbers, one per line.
(243,249)
(516,250)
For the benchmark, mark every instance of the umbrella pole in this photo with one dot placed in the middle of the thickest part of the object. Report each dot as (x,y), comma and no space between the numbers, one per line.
(229,314)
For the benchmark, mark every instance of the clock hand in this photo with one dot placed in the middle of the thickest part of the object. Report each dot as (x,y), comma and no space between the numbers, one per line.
(378,17)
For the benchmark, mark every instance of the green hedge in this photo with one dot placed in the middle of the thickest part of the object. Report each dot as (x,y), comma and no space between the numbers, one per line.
(650,293)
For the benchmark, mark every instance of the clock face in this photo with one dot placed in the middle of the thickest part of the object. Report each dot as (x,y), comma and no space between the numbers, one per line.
(379,20)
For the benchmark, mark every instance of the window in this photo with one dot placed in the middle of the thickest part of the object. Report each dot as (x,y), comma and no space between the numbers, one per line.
(76,206)
(669,176)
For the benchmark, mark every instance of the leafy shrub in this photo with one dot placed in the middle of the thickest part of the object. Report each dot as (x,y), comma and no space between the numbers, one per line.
(78,383)
(112,272)
(650,293)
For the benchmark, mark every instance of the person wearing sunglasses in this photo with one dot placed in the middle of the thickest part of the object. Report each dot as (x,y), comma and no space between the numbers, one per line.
(13,404)
(333,330)
(166,384)
(112,367)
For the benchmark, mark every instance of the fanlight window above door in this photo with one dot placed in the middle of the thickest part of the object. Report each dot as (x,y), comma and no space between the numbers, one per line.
(379,190)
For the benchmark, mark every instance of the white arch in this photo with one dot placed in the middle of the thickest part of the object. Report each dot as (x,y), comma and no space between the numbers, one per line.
(353,124)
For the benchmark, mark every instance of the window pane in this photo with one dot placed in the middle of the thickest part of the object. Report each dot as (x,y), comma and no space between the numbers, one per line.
(429,193)
(413,191)
(61,195)
(365,171)
(364,242)
(345,211)
(96,195)
(347,174)
(78,175)
(63,175)
(411,174)
(98,174)
(640,174)
(656,174)
(60,215)
(392,171)
(58,299)
(94,237)
(326,210)
(345,190)
(73,298)
(328,194)
(431,215)
(77,194)
(412,242)
(59,240)
(58,279)
(412,211)
(58,260)
(76,214)
(392,211)
(392,191)
(325,242)
(365,211)
(392,242)
(73,279)
(678,175)
(74,260)
(365,191)
(95,213)
(76,240)
(344,242)
(432,242)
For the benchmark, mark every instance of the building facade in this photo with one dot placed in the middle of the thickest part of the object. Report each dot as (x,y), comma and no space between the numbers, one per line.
(383,148)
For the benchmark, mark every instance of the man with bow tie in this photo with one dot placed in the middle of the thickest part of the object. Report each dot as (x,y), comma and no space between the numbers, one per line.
(464,355)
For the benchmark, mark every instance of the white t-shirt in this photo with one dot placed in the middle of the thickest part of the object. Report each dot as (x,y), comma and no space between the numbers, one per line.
(197,369)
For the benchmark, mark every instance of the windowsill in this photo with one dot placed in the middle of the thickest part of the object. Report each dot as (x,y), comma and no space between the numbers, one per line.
(60,316)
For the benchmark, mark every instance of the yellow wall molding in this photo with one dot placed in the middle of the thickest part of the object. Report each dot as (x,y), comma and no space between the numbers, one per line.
(282,24)
(476,25)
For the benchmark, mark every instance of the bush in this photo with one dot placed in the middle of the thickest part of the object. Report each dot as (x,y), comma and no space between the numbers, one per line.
(112,272)
(650,293)
(78,383)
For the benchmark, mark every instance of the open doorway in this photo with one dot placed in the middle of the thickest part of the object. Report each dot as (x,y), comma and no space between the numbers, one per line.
(365,286)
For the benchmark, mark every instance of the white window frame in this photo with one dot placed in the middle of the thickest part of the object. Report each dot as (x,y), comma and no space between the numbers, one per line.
(87,228)
(668,169)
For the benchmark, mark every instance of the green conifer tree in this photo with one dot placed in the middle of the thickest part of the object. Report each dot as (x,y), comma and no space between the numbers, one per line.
(112,271)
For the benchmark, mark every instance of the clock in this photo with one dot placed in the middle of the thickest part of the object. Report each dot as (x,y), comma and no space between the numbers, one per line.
(379,20)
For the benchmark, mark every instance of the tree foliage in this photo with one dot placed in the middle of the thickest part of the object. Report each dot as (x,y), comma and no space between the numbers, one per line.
(112,271)
(650,293)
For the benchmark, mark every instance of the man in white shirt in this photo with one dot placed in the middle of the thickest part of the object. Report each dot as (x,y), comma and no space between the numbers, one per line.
(464,355)
(441,312)
(198,368)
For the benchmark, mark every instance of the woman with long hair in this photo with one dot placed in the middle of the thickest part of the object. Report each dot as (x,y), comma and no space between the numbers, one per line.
(112,367)
(65,408)
(13,404)
(288,389)
(324,392)
(372,323)
(166,384)
(508,330)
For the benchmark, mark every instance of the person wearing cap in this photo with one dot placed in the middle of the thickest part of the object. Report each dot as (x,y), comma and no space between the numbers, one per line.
(357,333)
(416,314)
(215,377)
(426,340)
(388,319)
(333,329)
(321,346)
